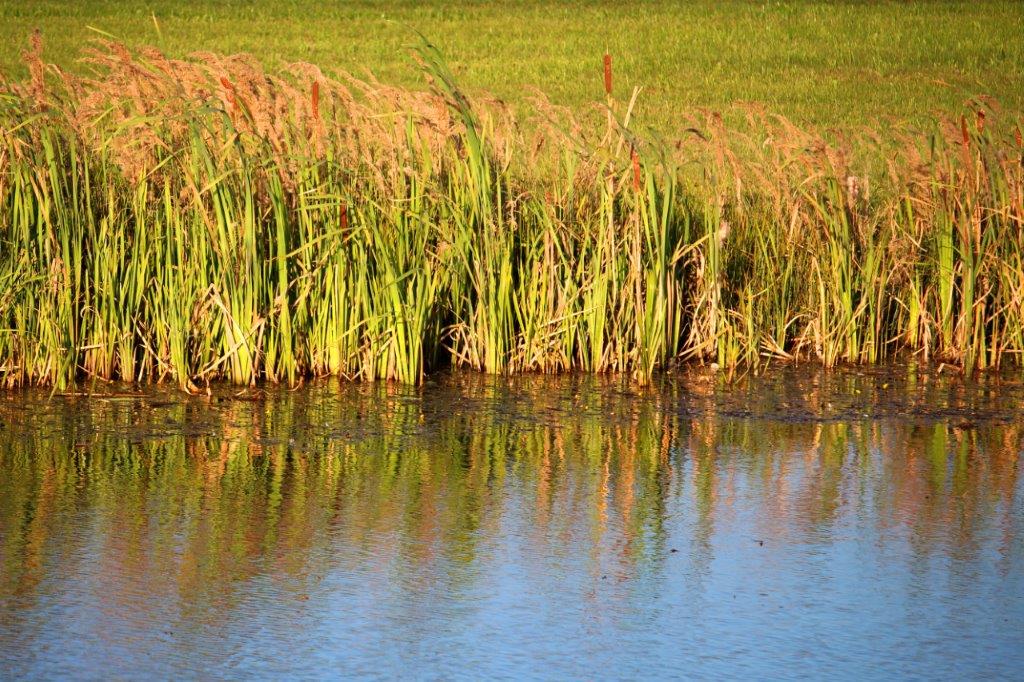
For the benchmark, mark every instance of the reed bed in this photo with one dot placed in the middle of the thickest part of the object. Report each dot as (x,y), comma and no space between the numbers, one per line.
(198,220)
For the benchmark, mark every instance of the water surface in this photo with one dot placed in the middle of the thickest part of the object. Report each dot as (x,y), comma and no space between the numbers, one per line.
(853,523)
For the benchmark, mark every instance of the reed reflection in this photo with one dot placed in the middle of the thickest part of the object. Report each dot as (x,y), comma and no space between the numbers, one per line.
(192,503)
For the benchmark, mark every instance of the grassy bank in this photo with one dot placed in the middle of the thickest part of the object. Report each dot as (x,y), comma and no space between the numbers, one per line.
(836,64)
(202,219)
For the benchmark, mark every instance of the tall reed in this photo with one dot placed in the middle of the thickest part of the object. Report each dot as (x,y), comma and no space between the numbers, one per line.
(194,220)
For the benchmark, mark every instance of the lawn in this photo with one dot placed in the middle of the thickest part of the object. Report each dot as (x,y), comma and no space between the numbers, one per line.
(828,64)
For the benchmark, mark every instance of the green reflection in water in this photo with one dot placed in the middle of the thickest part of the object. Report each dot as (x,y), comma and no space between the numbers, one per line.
(189,497)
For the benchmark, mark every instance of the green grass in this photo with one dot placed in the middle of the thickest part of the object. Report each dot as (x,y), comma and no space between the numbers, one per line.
(827,64)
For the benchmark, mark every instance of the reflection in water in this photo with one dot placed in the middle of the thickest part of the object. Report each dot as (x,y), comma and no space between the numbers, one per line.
(528,526)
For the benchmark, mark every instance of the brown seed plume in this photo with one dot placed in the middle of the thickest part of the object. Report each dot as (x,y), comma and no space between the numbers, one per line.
(230,90)
(33,58)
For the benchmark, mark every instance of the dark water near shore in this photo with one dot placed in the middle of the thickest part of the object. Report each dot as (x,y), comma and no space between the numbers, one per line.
(854,523)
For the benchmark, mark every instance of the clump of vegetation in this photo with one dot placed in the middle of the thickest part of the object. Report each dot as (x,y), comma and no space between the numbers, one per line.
(201,219)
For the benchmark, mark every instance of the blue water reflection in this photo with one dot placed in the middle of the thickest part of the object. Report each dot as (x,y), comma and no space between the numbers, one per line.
(849,525)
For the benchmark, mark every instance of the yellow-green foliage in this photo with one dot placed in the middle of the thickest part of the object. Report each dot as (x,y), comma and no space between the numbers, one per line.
(202,219)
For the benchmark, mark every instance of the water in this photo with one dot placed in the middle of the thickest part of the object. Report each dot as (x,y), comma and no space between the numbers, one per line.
(850,523)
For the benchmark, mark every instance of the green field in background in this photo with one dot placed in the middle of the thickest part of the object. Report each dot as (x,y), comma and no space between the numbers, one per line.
(831,64)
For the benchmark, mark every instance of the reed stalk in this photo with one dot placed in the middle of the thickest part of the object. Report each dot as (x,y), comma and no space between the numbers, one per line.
(202,220)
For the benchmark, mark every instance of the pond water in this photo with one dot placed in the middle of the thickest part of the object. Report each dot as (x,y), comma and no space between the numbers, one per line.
(853,523)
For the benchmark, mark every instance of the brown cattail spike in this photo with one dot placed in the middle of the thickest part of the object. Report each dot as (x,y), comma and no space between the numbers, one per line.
(963,131)
(636,168)
(316,101)
(344,218)
(608,74)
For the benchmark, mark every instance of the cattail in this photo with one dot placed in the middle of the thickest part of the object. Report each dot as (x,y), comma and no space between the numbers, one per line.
(966,141)
(344,218)
(316,101)
(608,74)
(981,120)
(636,168)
